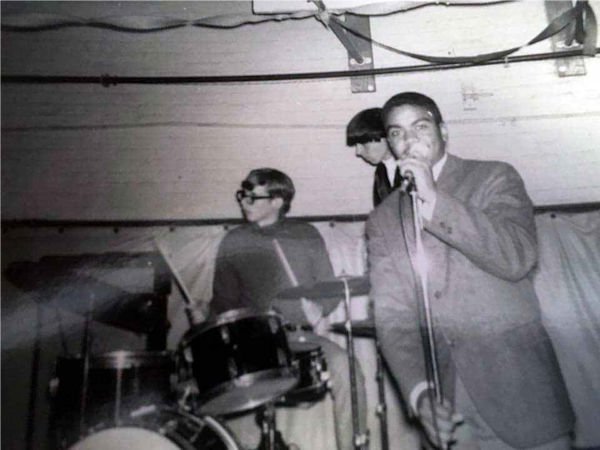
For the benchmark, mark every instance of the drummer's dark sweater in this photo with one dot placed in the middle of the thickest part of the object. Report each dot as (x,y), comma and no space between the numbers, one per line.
(249,272)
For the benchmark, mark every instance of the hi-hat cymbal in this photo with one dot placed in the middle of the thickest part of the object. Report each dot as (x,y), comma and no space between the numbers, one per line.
(329,288)
(362,328)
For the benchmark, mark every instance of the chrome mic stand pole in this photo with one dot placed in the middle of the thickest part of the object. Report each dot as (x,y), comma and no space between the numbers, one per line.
(421,265)
(429,347)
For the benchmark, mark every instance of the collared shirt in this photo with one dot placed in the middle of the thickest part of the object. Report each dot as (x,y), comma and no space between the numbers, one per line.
(390,168)
(427,208)
(438,166)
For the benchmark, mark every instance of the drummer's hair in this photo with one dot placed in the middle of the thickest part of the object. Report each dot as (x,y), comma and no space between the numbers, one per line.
(278,185)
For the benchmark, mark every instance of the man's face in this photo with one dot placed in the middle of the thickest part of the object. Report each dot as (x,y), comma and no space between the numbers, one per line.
(262,211)
(412,133)
(373,152)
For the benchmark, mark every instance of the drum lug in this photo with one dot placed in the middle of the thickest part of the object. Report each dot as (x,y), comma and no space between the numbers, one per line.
(187,355)
(283,357)
(168,427)
(274,325)
(53,387)
(225,335)
(232,368)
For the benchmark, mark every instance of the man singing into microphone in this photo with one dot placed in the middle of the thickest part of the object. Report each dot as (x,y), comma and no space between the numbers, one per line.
(500,381)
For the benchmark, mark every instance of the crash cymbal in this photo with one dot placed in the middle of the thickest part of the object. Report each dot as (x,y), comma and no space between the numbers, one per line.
(77,292)
(362,328)
(329,288)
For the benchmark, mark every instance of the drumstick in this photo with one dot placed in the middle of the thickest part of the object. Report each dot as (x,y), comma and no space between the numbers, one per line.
(187,298)
(285,263)
(306,306)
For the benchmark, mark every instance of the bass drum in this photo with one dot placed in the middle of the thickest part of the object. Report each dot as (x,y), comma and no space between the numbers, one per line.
(163,430)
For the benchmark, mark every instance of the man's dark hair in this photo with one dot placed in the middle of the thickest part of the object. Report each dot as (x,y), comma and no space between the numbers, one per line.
(366,126)
(278,185)
(414,99)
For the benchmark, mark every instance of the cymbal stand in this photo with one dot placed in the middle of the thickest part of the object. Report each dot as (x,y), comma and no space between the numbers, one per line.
(360,440)
(186,295)
(270,437)
(382,405)
(85,351)
(33,388)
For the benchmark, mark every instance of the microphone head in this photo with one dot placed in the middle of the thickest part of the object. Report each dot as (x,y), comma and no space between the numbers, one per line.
(407,184)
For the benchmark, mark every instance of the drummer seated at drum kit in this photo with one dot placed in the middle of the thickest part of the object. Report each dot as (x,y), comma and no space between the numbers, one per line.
(255,262)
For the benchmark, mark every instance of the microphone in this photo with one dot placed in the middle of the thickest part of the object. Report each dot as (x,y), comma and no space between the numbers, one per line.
(408,182)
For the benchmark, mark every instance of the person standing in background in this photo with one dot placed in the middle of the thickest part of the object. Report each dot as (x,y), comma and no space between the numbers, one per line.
(366,134)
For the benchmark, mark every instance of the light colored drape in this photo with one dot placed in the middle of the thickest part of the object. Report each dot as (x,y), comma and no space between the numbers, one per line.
(568,285)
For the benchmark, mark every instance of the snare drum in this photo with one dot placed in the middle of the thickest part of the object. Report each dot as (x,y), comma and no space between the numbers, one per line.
(239,361)
(118,383)
(163,429)
(312,366)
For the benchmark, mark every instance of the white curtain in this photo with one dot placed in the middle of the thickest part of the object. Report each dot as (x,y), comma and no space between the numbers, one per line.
(568,285)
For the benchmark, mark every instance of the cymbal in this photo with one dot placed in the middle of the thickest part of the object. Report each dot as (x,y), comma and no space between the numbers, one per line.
(329,288)
(76,292)
(362,328)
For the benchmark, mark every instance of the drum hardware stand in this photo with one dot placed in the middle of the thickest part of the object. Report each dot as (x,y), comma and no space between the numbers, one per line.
(85,350)
(35,365)
(270,437)
(187,297)
(360,440)
(381,406)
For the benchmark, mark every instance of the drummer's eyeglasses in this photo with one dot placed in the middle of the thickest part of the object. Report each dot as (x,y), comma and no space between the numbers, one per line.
(241,195)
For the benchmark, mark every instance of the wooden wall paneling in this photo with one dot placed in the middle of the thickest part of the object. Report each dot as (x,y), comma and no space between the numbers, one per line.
(161,152)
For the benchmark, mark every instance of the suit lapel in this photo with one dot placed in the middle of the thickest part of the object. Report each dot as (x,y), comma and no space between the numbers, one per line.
(451,175)
(437,252)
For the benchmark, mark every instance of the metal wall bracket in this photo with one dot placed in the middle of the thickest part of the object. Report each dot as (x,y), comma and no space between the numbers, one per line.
(364,47)
(565,40)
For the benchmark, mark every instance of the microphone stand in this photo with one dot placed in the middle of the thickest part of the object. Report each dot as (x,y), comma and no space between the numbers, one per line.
(425,305)
(419,263)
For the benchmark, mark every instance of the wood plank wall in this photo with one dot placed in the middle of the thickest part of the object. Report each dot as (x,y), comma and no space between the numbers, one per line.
(144,152)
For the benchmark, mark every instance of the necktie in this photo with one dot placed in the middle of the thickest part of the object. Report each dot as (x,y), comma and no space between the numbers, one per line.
(397,178)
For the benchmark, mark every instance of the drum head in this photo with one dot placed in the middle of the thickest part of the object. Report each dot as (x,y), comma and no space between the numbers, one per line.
(131,438)
(164,429)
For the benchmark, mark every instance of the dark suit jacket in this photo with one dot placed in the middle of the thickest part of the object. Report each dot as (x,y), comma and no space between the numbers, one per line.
(481,248)
(381,184)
